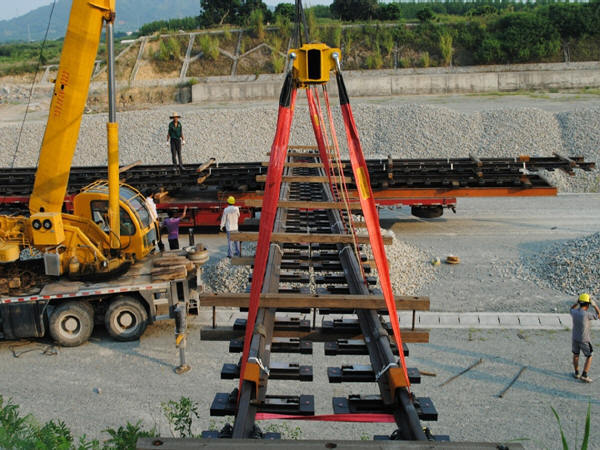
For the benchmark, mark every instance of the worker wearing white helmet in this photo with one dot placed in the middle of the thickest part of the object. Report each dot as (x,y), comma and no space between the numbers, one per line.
(231,216)
(581,338)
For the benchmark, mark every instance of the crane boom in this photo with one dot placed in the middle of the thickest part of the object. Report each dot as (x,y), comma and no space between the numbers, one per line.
(68,101)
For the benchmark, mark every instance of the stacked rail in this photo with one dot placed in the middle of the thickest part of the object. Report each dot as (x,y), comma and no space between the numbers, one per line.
(312,267)
(520,173)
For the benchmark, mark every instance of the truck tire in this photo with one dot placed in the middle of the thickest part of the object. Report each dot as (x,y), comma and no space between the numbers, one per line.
(427,212)
(125,319)
(71,324)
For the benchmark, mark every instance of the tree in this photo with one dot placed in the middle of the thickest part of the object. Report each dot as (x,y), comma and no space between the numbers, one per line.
(389,11)
(286,10)
(354,9)
(218,12)
(527,37)
(425,15)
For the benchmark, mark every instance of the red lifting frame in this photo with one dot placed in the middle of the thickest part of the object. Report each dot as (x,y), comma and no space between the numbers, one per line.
(271,199)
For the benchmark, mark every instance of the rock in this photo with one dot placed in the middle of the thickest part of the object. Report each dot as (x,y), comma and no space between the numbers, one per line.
(572,266)
(403,130)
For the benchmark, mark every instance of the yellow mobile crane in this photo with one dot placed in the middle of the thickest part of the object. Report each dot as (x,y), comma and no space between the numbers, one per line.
(110,230)
(76,244)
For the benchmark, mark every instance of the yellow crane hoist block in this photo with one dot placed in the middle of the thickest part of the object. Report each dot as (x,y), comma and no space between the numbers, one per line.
(312,63)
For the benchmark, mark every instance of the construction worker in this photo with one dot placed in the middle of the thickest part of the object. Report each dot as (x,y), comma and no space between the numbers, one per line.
(230,218)
(172,224)
(175,139)
(581,339)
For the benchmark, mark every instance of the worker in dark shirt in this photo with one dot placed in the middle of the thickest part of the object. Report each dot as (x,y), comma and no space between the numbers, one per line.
(581,339)
(175,139)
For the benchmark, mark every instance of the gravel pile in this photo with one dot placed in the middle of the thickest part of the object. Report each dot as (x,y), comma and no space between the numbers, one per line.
(221,277)
(410,267)
(571,266)
(404,130)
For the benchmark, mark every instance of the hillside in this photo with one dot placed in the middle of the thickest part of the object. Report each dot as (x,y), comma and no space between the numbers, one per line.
(131,14)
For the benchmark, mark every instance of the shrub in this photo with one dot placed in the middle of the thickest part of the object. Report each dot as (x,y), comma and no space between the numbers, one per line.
(335,35)
(446,48)
(126,437)
(425,59)
(256,21)
(168,50)
(490,51)
(180,415)
(278,62)
(209,46)
(313,28)
(425,14)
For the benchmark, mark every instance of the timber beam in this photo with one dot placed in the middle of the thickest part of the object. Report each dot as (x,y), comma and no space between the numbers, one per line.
(222,333)
(278,300)
(295,204)
(298,238)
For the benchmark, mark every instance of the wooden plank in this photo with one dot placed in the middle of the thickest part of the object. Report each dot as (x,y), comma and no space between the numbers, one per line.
(242,260)
(208,333)
(319,238)
(249,260)
(303,179)
(296,204)
(305,147)
(299,154)
(277,300)
(129,166)
(206,165)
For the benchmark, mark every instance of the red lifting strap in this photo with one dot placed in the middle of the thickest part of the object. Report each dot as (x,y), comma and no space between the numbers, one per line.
(367,203)
(319,133)
(269,211)
(364,418)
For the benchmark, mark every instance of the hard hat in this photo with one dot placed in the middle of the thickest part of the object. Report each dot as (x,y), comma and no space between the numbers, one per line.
(584,298)
(230,200)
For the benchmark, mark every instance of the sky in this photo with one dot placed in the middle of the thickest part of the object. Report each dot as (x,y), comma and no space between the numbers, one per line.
(11,8)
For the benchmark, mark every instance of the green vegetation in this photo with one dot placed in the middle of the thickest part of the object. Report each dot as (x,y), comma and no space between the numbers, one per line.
(18,431)
(373,35)
(586,433)
(209,46)
(168,50)
(180,416)
(21,58)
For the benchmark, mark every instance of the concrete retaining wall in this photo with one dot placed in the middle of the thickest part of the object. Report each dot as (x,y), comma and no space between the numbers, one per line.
(477,79)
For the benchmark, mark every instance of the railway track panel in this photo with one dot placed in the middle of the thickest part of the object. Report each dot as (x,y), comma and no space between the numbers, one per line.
(469,172)
(312,271)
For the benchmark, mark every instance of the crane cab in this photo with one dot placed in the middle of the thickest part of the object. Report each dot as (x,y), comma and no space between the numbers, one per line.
(138,230)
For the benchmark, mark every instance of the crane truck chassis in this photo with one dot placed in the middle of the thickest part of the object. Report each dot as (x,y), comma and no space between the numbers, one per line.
(68,310)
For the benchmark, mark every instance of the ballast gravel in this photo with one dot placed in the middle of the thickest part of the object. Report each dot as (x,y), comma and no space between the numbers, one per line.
(571,266)
(245,133)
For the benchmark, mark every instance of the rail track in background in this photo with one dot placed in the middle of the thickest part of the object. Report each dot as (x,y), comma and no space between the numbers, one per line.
(311,268)
(426,185)
(386,173)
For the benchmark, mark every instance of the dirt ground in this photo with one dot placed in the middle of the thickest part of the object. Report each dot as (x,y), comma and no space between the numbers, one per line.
(105,383)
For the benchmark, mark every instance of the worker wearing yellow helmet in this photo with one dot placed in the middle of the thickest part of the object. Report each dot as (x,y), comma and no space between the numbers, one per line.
(581,338)
(229,220)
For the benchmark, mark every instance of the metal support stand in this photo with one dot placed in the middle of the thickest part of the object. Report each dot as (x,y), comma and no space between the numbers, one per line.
(180,337)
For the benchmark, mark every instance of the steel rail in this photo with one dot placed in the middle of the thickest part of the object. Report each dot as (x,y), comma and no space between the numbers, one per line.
(418,173)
